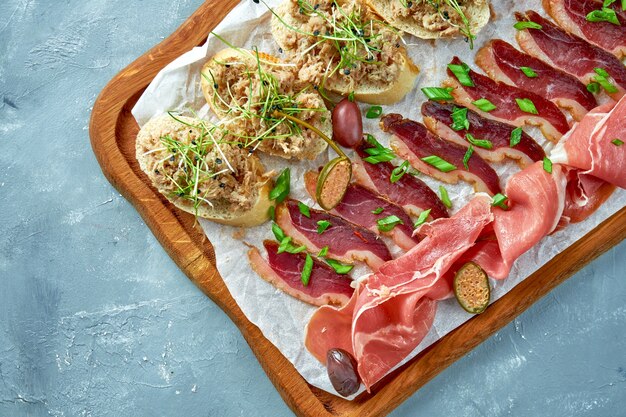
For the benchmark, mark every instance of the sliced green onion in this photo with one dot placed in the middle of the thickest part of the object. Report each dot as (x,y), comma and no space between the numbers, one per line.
(547,165)
(516,136)
(378,210)
(527,25)
(445,198)
(441,164)
(468,155)
(278,232)
(481,143)
(339,268)
(461,72)
(499,200)
(284,244)
(593,87)
(281,187)
(271,212)
(529,72)
(304,209)
(378,153)
(459,119)
(374,112)
(526,105)
(484,104)
(322,225)
(438,93)
(422,218)
(388,223)
(603,15)
(398,172)
(323,252)
(617,142)
(602,78)
(306,270)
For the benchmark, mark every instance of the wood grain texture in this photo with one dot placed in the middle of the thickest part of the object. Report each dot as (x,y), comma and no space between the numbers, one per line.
(113,130)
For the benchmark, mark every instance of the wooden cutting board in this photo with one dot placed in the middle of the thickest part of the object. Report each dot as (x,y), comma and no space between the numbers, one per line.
(113,130)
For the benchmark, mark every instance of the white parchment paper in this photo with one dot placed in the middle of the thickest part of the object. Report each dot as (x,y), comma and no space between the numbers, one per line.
(281,318)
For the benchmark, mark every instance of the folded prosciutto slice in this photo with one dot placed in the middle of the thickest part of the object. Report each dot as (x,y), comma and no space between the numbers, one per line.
(571,15)
(393,310)
(438,118)
(409,192)
(595,144)
(584,195)
(504,63)
(360,206)
(549,118)
(284,271)
(413,142)
(346,242)
(569,53)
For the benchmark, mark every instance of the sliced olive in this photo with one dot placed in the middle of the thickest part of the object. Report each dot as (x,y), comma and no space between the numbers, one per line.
(471,288)
(333,182)
(341,368)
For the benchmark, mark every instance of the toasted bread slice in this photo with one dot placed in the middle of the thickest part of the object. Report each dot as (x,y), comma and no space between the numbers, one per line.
(422,19)
(380,74)
(189,162)
(238,84)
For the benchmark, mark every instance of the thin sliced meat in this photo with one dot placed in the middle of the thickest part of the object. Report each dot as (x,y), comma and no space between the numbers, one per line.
(571,15)
(346,242)
(284,271)
(590,145)
(503,63)
(413,141)
(550,119)
(438,118)
(409,192)
(568,52)
(584,195)
(358,206)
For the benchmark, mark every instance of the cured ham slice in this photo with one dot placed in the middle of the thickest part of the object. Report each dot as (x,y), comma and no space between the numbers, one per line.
(569,53)
(591,146)
(359,206)
(584,195)
(571,15)
(346,242)
(413,141)
(284,271)
(504,63)
(549,119)
(438,118)
(409,192)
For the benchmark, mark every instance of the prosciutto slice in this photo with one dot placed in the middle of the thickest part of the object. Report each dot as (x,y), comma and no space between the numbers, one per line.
(346,242)
(438,118)
(503,63)
(590,145)
(584,195)
(409,192)
(413,141)
(571,15)
(568,52)
(359,205)
(549,119)
(284,271)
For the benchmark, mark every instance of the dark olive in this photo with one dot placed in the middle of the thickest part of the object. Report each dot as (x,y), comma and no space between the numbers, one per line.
(347,124)
(341,368)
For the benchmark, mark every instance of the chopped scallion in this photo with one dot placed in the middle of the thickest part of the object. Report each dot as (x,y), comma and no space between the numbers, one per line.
(516,136)
(323,252)
(547,165)
(388,223)
(484,105)
(278,232)
(378,210)
(445,198)
(481,143)
(438,93)
(529,72)
(527,25)
(304,209)
(398,172)
(617,142)
(526,105)
(306,270)
(461,72)
(499,200)
(281,187)
(422,218)
(605,14)
(374,112)
(441,164)
(322,225)
(593,87)
(468,155)
(459,119)
(339,268)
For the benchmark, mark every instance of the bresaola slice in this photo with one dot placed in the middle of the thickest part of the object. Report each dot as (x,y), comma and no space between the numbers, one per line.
(409,192)
(504,63)
(571,15)
(438,118)
(549,118)
(284,271)
(412,141)
(359,206)
(569,53)
(346,242)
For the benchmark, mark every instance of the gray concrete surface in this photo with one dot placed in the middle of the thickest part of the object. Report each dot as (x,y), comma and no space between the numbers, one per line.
(95,320)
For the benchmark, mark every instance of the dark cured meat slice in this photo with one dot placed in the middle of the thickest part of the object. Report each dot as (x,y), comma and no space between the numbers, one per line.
(409,192)
(437,117)
(357,206)
(412,141)
(550,120)
(502,62)
(569,53)
(346,242)
(571,15)
(284,271)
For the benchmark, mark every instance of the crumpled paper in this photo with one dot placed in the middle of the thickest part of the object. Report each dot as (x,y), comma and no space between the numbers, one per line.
(281,318)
